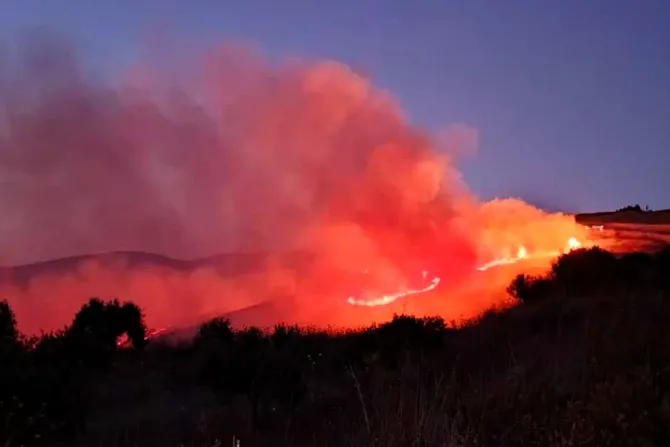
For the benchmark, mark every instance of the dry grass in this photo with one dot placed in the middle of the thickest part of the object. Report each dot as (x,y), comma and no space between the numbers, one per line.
(566,373)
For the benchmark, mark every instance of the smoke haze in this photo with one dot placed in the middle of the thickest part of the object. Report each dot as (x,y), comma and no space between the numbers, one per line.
(222,152)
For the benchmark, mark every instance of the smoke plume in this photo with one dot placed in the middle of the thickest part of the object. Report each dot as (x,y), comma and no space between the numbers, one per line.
(223,152)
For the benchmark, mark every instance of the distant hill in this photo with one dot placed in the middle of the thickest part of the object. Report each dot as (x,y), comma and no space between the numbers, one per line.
(233,264)
(660,217)
(630,229)
(130,262)
(226,265)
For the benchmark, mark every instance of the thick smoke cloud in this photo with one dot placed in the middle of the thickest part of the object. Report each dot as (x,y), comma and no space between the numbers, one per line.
(223,152)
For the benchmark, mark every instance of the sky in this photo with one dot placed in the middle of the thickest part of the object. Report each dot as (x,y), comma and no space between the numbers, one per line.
(571,98)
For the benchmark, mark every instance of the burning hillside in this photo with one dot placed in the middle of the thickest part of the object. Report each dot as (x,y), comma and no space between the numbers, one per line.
(227,152)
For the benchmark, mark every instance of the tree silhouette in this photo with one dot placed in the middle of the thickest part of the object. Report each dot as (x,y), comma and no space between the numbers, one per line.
(530,289)
(585,270)
(94,333)
(216,329)
(104,323)
(131,322)
(9,333)
(636,208)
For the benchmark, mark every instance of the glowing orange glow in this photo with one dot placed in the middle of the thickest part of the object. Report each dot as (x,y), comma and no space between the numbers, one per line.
(241,156)
(574,244)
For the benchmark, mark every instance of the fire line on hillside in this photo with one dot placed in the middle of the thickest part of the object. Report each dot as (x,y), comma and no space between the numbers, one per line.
(432,283)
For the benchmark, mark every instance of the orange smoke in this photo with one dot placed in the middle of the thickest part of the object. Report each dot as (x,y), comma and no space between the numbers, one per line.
(226,153)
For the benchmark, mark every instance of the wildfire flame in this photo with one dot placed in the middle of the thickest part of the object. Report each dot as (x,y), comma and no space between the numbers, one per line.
(521,254)
(388,299)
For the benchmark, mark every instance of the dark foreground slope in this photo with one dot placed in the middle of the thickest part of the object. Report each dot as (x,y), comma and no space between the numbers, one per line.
(583,359)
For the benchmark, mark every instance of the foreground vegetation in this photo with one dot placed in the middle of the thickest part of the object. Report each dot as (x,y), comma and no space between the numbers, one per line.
(582,360)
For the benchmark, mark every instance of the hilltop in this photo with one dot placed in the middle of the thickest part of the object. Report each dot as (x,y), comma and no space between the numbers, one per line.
(627,215)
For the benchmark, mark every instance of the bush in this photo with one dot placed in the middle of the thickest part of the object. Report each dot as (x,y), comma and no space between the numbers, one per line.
(216,329)
(530,289)
(585,270)
(285,336)
(408,331)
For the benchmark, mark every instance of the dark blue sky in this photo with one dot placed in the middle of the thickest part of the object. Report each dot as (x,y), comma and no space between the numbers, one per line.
(571,98)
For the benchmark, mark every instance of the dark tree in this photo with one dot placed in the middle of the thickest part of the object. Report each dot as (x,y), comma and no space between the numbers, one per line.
(585,270)
(636,208)
(104,323)
(95,331)
(529,289)
(131,322)
(216,329)
(9,333)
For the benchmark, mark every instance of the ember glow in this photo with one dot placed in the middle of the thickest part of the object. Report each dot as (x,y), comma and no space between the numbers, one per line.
(224,152)
(123,341)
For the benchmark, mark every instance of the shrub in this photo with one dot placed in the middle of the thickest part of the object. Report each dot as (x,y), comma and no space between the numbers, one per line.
(530,289)
(584,271)
(218,329)
(284,335)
